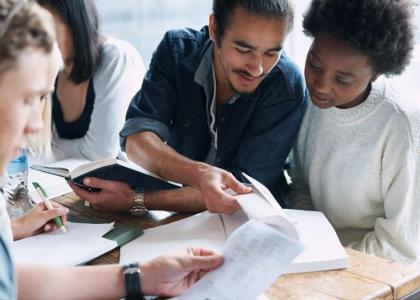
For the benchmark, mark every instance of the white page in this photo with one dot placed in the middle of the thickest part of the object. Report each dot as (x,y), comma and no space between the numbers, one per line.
(255,256)
(323,250)
(54,185)
(202,230)
(81,243)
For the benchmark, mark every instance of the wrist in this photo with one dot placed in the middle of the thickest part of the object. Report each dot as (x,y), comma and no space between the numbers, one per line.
(197,172)
(138,209)
(17,229)
(132,282)
(147,283)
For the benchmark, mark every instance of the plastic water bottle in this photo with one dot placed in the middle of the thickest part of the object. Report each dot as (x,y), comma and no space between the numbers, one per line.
(16,189)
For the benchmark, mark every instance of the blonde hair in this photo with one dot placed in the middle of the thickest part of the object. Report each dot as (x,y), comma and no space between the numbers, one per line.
(24,24)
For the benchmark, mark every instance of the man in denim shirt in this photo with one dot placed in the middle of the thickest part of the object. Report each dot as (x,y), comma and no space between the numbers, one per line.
(215,102)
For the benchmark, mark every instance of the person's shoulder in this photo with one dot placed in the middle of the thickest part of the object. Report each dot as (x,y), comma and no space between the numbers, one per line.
(186,40)
(116,50)
(401,105)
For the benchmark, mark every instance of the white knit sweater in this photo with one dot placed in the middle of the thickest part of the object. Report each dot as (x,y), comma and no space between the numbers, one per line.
(361,168)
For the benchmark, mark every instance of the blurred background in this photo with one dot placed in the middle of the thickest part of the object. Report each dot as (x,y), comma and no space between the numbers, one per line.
(144,22)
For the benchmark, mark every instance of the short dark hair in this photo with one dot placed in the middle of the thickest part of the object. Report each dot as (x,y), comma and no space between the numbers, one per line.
(382,30)
(223,11)
(81,16)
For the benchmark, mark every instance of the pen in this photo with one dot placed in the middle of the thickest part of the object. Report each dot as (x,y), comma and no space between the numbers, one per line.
(43,194)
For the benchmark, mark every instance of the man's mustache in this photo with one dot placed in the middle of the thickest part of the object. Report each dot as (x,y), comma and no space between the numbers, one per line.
(245,73)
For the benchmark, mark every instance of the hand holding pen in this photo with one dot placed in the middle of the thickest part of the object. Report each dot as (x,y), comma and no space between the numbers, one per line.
(44,196)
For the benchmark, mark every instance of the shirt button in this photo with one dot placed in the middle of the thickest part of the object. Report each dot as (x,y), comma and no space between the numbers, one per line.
(187,123)
(222,119)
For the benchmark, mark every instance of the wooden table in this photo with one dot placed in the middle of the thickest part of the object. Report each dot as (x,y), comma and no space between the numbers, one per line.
(368,277)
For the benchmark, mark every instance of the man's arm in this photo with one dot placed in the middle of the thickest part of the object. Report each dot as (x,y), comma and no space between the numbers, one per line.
(149,151)
(118,196)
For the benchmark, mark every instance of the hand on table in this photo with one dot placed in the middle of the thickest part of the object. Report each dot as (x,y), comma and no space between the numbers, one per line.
(38,220)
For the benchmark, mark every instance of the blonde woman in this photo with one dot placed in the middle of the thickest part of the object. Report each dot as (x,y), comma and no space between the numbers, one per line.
(26,73)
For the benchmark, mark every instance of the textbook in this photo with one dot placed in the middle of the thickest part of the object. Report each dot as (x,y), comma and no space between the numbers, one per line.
(76,170)
(322,248)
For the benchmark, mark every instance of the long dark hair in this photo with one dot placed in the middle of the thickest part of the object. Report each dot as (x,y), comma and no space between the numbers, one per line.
(81,16)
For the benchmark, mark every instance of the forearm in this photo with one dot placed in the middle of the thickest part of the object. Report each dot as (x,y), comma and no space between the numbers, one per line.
(148,150)
(95,282)
(187,199)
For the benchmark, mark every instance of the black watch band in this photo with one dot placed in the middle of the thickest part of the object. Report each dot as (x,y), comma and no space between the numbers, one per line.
(132,282)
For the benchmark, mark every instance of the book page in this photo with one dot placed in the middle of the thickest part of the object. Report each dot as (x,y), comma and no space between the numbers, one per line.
(323,250)
(201,230)
(82,243)
(255,256)
(54,185)
(62,167)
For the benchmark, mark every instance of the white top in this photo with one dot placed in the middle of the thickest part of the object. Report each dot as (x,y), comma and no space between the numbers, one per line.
(116,81)
(361,168)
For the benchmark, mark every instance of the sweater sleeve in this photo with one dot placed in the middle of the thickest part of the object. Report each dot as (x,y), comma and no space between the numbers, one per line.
(396,235)
(299,194)
(116,81)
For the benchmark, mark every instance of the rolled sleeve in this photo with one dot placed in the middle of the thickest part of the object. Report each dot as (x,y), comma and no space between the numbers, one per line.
(152,109)
(136,125)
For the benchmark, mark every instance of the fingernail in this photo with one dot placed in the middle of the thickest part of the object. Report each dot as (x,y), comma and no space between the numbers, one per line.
(47,227)
(63,210)
(86,181)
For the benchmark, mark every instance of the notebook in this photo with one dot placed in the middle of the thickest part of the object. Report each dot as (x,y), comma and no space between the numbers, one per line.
(81,243)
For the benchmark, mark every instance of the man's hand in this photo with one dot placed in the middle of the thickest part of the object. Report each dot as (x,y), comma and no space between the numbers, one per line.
(173,275)
(212,182)
(38,220)
(114,195)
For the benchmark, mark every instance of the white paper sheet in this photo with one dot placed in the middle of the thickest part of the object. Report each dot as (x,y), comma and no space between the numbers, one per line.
(80,244)
(255,256)
(202,230)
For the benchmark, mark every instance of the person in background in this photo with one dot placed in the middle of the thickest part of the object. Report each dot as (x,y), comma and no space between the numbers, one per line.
(357,156)
(94,88)
(214,103)
(28,66)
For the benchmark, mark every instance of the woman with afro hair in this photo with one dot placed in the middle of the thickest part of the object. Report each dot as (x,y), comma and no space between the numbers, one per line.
(357,156)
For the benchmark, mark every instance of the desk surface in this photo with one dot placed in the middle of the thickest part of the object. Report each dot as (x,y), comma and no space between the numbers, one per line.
(368,277)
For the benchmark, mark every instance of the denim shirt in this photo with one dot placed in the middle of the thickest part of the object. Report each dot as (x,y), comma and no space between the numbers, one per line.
(255,132)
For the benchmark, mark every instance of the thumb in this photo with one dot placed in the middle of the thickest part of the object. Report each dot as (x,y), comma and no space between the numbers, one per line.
(210,262)
(237,186)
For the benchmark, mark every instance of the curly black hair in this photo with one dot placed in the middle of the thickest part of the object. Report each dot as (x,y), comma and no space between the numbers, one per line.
(383,30)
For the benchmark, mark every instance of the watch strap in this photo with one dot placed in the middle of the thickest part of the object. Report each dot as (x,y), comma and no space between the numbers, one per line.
(132,282)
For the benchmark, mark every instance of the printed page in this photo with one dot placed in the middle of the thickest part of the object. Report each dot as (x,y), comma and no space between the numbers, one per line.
(81,243)
(255,256)
(201,230)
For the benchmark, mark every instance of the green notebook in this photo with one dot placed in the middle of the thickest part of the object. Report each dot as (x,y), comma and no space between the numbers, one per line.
(122,233)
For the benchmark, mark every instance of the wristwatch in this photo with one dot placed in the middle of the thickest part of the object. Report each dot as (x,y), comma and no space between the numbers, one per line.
(138,208)
(132,282)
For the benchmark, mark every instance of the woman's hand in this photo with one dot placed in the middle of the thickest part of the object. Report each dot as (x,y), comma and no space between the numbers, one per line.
(38,220)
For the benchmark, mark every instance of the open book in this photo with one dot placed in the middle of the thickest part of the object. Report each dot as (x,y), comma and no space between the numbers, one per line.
(323,250)
(114,169)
